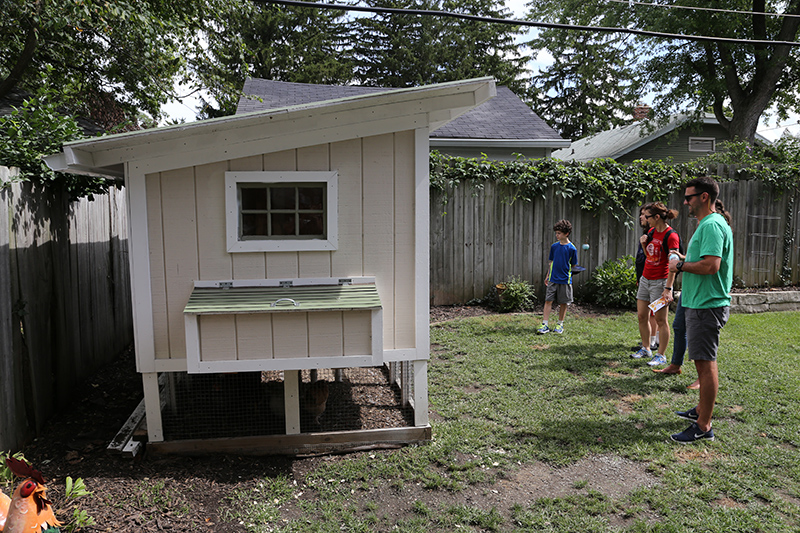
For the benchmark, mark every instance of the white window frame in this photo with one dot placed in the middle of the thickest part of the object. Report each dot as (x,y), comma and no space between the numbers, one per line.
(693,140)
(237,245)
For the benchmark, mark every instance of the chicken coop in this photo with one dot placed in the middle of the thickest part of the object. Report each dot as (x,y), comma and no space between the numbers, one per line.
(279,270)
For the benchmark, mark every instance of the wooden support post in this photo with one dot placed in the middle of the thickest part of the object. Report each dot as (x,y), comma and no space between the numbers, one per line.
(420,376)
(152,401)
(291,400)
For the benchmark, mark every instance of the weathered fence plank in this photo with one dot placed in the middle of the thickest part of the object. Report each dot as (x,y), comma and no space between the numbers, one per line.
(64,300)
(514,240)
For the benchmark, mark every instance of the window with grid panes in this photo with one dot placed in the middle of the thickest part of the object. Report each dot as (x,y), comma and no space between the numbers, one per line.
(282,211)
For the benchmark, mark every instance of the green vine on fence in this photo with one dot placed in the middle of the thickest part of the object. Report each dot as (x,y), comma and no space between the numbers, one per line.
(604,184)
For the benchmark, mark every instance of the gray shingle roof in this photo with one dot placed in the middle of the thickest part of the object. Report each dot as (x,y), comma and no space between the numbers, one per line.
(503,117)
(620,141)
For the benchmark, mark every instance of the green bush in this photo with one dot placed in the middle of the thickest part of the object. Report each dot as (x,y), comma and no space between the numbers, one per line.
(613,284)
(517,296)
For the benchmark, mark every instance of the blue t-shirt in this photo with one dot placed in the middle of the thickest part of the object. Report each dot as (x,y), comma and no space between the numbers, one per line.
(563,257)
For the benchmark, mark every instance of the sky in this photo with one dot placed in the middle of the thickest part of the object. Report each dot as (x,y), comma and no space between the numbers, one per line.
(186,110)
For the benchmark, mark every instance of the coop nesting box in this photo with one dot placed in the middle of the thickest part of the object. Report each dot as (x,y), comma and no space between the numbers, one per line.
(280,269)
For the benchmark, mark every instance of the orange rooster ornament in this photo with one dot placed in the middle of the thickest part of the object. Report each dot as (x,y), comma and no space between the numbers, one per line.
(28,510)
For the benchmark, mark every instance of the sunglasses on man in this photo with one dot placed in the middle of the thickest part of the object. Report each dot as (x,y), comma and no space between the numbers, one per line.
(688,197)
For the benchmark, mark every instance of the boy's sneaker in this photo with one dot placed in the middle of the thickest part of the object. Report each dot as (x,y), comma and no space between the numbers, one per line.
(692,434)
(657,360)
(543,329)
(641,353)
(654,346)
(691,414)
(558,329)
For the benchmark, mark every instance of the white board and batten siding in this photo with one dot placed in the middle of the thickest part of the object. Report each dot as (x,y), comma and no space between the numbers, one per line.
(377,237)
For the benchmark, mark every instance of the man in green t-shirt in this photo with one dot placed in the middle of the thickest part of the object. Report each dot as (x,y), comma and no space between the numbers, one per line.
(705,296)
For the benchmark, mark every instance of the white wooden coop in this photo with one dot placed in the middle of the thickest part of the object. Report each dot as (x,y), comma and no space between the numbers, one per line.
(275,249)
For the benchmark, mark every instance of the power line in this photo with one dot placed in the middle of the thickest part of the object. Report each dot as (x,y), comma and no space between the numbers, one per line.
(697,8)
(513,22)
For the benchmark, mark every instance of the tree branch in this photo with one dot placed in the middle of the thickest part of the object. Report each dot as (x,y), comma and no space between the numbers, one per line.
(23,61)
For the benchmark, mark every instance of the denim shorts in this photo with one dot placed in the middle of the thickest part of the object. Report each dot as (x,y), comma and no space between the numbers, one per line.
(702,331)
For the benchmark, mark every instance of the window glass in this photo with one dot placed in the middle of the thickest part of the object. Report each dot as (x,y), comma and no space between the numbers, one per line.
(311,198)
(282,211)
(282,197)
(312,224)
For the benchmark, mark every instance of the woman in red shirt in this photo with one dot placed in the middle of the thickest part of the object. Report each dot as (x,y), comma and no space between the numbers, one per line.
(656,281)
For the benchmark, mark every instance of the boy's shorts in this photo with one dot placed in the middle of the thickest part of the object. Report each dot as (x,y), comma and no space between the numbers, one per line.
(650,289)
(702,331)
(560,293)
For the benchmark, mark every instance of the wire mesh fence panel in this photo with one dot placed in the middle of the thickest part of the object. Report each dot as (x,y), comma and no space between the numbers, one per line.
(205,406)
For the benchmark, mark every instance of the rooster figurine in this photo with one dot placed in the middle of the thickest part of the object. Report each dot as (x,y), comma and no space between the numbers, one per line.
(28,510)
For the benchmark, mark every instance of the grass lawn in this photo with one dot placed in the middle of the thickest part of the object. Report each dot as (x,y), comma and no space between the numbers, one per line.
(504,399)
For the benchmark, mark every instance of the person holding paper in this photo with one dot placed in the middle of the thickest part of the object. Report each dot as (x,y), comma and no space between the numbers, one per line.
(655,285)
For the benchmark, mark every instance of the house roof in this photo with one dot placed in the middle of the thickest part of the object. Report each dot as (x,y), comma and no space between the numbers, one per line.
(272,130)
(616,143)
(16,99)
(505,118)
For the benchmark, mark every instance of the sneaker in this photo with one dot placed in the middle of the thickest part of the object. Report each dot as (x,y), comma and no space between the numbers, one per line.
(654,346)
(543,329)
(641,353)
(558,329)
(690,415)
(657,360)
(692,434)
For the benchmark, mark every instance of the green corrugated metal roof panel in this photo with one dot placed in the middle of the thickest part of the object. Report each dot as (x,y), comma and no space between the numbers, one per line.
(242,300)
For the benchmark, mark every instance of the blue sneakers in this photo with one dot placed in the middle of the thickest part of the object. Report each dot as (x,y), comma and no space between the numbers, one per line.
(543,329)
(692,434)
(657,360)
(690,415)
(558,329)
(641,353)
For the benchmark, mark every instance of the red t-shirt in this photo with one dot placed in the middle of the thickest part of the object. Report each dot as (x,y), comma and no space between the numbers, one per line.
(656,263)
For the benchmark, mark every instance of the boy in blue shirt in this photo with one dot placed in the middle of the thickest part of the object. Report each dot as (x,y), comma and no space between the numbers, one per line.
(563,256)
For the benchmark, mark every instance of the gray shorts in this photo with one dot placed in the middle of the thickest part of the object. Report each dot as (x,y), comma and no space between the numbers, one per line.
(560,293)
(650,289)
(702,331)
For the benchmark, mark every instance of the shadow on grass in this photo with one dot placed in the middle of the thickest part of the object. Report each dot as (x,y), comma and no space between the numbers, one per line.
(578,433)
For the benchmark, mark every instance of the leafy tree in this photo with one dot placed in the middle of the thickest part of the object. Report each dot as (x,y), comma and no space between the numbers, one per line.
(258,39)
(406,50)
(589,87)
(110,58)
(36,129)
(739,82)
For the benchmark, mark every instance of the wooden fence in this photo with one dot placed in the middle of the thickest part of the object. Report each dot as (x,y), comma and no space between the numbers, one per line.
(65,308)
(478,239)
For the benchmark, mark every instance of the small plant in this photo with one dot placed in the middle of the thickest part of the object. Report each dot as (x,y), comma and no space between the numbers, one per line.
(515,294)
(6,476)
(73,491)
(613,284)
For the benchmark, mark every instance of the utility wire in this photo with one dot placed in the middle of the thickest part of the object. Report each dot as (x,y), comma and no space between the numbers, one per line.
(513,22)
(697,8)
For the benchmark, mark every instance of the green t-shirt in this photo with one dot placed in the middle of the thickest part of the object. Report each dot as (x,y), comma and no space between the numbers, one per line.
(706,291)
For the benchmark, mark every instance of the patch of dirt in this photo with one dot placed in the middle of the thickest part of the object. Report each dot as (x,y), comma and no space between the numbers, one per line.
(443,313)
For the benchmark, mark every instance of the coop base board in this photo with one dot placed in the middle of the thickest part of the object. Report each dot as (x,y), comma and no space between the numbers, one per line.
(302,444)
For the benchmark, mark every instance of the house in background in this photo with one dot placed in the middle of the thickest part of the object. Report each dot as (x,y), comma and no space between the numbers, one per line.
(678,141)
(269,247)
(500,128)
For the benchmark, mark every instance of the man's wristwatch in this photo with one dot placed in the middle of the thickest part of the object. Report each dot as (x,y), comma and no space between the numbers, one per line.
(667,288)
(679,266)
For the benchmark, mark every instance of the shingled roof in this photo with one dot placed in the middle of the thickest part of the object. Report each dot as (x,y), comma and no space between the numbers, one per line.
(504,117)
